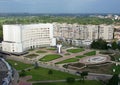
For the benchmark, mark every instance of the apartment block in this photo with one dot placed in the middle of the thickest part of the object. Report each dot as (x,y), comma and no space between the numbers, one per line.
(83,32)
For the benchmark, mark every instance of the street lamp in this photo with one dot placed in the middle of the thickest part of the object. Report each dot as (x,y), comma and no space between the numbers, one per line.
(119,59)
(116,64)
(114,70)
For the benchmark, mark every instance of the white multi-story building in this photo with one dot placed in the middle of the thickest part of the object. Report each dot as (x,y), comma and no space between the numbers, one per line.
(19,38)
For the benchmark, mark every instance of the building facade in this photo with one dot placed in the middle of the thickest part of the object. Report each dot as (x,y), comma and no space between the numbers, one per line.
(117,33)
(19,38)
(83,32)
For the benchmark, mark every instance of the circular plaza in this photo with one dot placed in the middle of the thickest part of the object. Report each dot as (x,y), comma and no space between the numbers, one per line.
(95,59)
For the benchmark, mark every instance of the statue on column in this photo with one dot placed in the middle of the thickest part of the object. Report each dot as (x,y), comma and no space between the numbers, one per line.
(59,45)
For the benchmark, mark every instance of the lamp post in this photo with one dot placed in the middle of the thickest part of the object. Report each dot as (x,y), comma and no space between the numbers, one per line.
(114,70)
(119,59)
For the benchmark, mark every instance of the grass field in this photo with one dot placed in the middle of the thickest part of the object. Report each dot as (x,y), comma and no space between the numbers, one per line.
(80,56)
(31,56)
(88,82)
(19,65)
(42,74)
(90,53)
(77,50)
(40,51)
(50,57)
(68,60)
(52,48)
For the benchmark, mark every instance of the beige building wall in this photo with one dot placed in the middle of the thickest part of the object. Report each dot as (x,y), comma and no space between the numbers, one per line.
(84,32)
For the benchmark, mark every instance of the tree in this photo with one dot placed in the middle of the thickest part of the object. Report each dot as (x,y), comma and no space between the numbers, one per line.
(70,80)
(99,44)
(83,75)
(114,80)
(114,45)
(22,73)
(50,72)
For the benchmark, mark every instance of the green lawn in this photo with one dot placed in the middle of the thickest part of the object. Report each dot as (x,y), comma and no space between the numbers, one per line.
(90,53)
(31,55)
(40,51)
(77,50)
(68,60)
(50,57)
(42,74)
(19,66)
(52,48)
(80,56)
(87,82)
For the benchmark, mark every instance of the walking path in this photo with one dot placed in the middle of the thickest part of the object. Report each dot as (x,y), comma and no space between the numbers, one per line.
(117,63)
(50,81)
(72,55)
(55,67)
(51,65)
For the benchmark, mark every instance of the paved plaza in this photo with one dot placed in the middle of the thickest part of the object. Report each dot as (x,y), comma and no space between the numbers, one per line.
(98,58)
(52,65)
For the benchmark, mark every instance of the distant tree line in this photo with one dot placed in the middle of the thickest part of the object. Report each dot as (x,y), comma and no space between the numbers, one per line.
(59,19)
(103,45)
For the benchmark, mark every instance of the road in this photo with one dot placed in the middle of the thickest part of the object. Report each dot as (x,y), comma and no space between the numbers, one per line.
(50,81)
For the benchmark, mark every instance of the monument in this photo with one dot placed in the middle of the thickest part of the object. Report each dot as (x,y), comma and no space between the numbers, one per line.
(59,48)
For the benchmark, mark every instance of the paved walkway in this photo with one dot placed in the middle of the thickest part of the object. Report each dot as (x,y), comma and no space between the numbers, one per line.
(72,55)
(50,81)
(51,64)
(94,75)
(117,63)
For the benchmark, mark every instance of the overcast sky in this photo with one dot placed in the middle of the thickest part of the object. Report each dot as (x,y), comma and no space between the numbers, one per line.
(60,6)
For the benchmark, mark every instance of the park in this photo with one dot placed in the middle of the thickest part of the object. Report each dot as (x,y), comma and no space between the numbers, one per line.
(56,66)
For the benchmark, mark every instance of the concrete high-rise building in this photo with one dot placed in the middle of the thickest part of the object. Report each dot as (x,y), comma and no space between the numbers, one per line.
(83,32)
(106,32)
(19,38)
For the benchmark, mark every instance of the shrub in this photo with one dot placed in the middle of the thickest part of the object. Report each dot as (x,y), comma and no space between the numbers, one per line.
(22,73)
(50,72)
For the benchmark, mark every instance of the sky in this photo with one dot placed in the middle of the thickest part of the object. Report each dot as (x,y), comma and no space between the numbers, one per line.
(59,6)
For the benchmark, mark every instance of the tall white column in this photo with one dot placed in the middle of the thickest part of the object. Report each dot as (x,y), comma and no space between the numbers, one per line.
(59,48)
